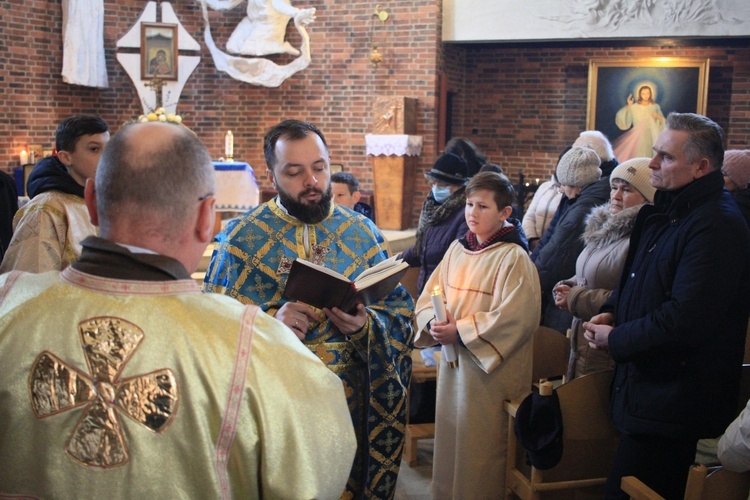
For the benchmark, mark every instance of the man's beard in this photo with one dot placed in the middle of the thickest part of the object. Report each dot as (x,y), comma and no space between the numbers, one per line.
(307,213)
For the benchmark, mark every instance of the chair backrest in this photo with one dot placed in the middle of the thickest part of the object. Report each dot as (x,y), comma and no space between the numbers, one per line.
(589,437)
(551,352)
(703,483)
(716,483)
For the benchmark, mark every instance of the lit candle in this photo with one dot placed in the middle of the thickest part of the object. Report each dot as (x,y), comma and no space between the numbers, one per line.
(24,157)
(229,146)
(449,350)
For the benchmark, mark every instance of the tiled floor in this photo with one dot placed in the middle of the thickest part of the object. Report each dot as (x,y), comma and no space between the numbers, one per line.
(414,482)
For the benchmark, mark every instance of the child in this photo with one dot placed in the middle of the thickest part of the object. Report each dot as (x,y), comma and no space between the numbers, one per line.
(345,188)
(493,301)
(48,230)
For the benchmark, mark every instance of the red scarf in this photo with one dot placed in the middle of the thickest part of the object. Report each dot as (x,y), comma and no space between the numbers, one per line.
(475,246)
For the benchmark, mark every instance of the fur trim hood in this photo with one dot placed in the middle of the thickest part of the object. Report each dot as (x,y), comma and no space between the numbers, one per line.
(604,228)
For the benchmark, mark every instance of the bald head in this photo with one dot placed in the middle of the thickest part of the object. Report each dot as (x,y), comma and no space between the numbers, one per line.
(153,175)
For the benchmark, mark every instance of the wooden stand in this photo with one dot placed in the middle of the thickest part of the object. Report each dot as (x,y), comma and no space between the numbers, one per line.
(394,188)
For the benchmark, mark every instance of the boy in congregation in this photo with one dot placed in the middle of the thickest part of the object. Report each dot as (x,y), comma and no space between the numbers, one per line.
(47,231)
(345,188)
(122,380)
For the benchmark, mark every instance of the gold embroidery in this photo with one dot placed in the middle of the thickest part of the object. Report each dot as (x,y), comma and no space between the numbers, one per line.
(97,439)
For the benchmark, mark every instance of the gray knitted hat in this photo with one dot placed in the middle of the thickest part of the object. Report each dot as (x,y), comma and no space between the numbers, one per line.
(579,167)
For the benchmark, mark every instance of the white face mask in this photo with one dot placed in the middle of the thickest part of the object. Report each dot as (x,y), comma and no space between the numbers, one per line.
(441,193)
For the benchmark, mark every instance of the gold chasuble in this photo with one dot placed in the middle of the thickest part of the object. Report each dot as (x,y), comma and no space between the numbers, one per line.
(251,263)
(115,388)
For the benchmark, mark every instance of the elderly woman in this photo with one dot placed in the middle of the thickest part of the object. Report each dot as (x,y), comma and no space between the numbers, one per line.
(607,238)
(578,172)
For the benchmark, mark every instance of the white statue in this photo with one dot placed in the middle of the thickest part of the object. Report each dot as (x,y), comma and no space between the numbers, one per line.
(262,31)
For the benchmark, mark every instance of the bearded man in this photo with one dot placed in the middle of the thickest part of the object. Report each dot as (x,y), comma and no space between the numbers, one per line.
(369,349)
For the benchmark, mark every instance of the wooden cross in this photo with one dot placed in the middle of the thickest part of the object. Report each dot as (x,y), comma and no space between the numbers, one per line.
(156,85)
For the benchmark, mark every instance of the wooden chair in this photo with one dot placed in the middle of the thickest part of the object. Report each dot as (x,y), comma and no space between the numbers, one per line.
(551,353)
(589,443)
(703,483)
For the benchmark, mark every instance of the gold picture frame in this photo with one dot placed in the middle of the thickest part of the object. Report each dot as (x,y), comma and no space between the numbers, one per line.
(159,51)
(615,85)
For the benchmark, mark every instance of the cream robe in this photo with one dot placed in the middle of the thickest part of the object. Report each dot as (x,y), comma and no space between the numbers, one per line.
(47,233)
(495,295)
(251,411)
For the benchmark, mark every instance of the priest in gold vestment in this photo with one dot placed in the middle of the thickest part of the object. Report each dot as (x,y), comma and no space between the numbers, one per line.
(122,380)
(369,349)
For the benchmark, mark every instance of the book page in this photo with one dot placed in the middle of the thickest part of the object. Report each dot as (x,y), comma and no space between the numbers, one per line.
(379,274)
(323,269)
(380,267)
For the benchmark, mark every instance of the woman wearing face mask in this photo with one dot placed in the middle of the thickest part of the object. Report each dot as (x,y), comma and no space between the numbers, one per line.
(442,219)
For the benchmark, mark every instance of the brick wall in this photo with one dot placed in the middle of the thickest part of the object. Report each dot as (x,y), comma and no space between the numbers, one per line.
(521,104)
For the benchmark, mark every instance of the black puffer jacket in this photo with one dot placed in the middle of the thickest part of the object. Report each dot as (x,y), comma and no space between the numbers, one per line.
(681,310)
(49,174)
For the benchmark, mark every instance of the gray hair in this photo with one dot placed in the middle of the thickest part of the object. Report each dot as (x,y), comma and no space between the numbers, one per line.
(593,139)
(706,137)
(160,182)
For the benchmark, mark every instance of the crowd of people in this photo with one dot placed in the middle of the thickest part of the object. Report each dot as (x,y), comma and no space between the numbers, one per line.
(117,364)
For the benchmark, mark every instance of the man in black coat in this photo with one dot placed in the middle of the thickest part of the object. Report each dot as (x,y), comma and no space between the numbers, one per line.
(676,323)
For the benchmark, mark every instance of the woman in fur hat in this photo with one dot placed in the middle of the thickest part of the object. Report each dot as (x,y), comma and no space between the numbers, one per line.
(607,238)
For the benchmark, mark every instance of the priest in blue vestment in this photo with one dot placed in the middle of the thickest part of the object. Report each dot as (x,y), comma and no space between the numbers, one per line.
(368,349)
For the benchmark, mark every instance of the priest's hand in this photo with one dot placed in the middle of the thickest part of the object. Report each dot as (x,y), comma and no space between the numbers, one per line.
(296,316)
(445,333)
(347,323)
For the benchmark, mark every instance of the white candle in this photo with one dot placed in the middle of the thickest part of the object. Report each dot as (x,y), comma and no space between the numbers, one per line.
(229,145)
(24,157)
(449,350)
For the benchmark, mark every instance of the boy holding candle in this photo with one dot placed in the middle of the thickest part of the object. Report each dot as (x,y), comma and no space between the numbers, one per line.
(492,307)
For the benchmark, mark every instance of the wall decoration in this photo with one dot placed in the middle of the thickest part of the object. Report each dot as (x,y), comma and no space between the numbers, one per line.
(260,33)
(504,20)
(629,99)
(154,92)
(159,51)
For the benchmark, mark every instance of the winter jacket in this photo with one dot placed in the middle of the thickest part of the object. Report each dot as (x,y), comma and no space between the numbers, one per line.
(542,208)
(433,245)
(557,258)
(49,174)
(681,310)
(607,238)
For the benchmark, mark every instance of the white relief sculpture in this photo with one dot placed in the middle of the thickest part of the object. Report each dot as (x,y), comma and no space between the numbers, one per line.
(261,33)
(83,43)
(614,14)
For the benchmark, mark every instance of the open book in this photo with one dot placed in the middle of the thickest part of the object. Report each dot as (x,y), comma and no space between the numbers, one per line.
(322,287)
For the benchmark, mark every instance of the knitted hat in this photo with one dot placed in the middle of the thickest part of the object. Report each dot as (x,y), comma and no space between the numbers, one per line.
(737,166)
(579,167)
(636,173)
(451,169)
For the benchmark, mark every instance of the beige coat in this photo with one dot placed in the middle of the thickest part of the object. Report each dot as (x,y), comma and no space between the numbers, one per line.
(494,294)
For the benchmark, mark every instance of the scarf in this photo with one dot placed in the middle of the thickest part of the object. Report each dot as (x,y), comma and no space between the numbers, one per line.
(434,213)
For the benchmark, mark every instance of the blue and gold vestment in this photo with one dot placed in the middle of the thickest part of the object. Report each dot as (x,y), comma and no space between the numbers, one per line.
(251,263)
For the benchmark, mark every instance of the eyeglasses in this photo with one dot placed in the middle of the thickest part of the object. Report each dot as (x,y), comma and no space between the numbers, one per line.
(438,184)
(205,196)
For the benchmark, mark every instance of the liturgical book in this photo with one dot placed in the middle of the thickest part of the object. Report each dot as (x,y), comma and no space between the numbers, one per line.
(322,287)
